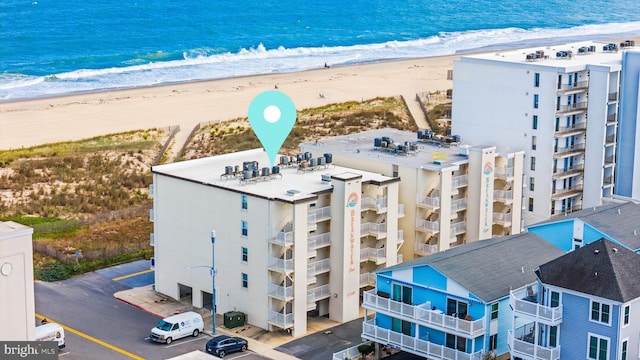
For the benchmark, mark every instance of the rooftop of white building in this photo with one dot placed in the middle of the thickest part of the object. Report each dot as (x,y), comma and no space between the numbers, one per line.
(291,183)
(564,55)
(428,154)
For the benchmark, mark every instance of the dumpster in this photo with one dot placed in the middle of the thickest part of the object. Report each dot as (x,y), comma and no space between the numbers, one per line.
(233,319)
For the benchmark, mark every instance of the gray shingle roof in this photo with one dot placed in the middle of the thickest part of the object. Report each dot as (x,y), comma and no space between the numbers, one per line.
(601,268)
(490,268)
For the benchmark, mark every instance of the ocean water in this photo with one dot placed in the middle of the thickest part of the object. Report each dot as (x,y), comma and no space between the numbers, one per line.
(57,47)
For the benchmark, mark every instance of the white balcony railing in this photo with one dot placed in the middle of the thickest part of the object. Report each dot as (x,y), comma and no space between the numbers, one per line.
(367,279)
(504,172)
(318,267)
(282,238)
(350,353)
(318,293)
(502,218)
(373,229)
(280,292)
(400,210)
(458,228)
(528,350)
(319,241)
(281,320)
(317,215)
(379,204)
(459,181)
(429,201)
(524,302)
(423,315)
(426,225)
(424,249)
(503,195)
(405,342)
(458,205)
(281,265)
(378,256)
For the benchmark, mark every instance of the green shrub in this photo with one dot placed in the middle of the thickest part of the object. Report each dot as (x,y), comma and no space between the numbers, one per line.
(365,349)
(53,272)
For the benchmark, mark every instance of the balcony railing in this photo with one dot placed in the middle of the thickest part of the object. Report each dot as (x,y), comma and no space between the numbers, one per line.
(372,254)
(400,210)
(373,229)
(318,267)
(569,149)
(458,205)
(566,192)
(282,238)
(504,196)
(524,302)
(350,353)
(424,249)
(612,118)
(458,228)
(319,241)
(459,181)
(280,265)
(608,180)
(318,293)
(379,204)
(529,350)
(609,159)
(426,225)
(280,292)
(429,201)
(580,85)
(502,218)
(372,332)
(610,139)
(571,170)
(317,215)
(579,127)
(367,279)
(281,320)
(613,96)
(423,315)
(503,172)
(571,107)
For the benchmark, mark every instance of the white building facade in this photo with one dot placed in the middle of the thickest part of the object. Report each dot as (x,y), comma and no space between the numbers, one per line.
(17,302)
(560,105)
(293,240)
(628,154)
(452,193)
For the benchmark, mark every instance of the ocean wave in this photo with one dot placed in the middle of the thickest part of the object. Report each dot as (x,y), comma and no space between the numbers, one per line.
(211,63)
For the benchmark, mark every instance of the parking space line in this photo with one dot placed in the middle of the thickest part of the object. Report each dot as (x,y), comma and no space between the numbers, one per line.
(182,342)
(132,275)
(97,341)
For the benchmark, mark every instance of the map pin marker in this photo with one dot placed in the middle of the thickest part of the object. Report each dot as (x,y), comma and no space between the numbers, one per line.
(272,115)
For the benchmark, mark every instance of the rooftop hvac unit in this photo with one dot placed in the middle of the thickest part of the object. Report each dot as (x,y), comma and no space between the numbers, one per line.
(248,174)
(328,157)
(228,170)
(325,178)
(321,160)
(275,169)
(312,162)
(266,171)
(284,160)
(377,142)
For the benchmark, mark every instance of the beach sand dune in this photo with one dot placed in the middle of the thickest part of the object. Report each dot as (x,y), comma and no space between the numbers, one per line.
(47,120)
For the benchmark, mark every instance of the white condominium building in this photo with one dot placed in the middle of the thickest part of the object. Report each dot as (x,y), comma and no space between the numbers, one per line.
(294,240)
(452,193)
(628,154)
(560,105)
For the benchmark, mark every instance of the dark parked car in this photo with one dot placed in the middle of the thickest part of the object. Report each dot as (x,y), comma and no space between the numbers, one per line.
(222,345)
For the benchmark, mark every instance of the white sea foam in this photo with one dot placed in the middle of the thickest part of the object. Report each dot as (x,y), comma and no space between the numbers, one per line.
(206,63)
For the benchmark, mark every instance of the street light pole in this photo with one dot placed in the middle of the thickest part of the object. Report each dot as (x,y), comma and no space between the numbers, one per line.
(213,280)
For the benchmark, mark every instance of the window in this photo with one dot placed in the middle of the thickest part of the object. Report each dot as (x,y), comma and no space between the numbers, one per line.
(457,308)
(600,312)
(555,299)
(530,204)
(553,336)
(245,205)
(493,342)
(626,315)
(536,79)
(494,311)
(598,348)
(623,351)
(533,163)
(534,140)
(245,254)
(245,281)
(536,99)
(531,183)
(245,228)
(535,122)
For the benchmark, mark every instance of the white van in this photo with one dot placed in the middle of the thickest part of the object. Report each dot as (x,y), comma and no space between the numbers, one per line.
(177,326)
(51,332)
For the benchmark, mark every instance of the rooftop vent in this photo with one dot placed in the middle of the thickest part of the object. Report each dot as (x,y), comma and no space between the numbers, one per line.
(596,251)
(610,47)
(293,192)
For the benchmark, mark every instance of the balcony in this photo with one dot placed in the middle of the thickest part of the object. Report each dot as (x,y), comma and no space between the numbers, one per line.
(504,172)
(280,265)
(608,180)
(379,256)
(280,292)
(575,87)
(612,118)
(281,320)
(318,267)
(318,241)
(317,293)
(527,350)
(431,202)
(317,215)
(459,181)
(504,196)
(378,204)
(428,226)
(367,279)
(423,249)
(458,205)
(373,229)
(400,210)
(610,139)
(609,160)
(423,315)
(571,129)
(503,219)
(566,192)
(612,97)
(524,302)
(458,228)
(570,108)
(568,151)
(400,238)
(282,238)
(371,331)
(568,172)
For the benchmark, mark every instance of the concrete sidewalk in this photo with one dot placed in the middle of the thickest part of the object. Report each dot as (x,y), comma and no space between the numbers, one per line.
(261,342)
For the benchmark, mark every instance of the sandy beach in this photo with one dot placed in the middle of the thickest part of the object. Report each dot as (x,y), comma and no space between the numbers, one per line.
(36,122)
